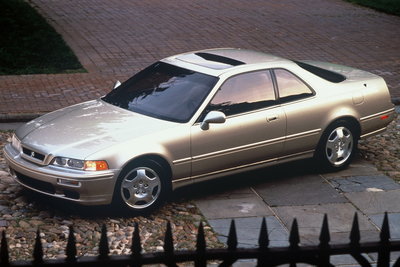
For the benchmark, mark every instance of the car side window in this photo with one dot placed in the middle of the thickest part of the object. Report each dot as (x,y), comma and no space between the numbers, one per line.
(243,93)
(290,87)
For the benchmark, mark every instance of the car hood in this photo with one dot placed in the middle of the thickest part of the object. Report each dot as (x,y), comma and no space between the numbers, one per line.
(80,130)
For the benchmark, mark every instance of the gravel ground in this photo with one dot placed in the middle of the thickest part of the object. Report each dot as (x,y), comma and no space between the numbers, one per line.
(22,212)
(384,149)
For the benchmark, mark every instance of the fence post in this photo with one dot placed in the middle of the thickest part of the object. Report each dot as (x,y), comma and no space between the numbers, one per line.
(136,247)
(38,249)
(103,245)
(324,239)
(169,247)
(263,242)
(294,240)
(355,242)
(232,245)
(200,259)
(71,246)
(384,250)
(4,256)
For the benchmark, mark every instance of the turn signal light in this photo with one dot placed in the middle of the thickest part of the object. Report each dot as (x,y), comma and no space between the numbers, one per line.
(384,117)
(95,165)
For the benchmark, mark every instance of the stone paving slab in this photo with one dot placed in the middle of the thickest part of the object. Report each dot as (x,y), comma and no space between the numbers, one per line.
(233,208)
(394,226)
(376,202)
(310,217)
(358,167)
(373,183)
(222,192)
(114,39)
(301,190)
(248,231)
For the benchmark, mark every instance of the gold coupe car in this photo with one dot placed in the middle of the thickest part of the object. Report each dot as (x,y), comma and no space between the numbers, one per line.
(197,116)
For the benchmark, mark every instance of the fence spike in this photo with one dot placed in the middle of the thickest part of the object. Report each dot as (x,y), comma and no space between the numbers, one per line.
(169,246)
(355,232)
(201,240)
(325,236)
(103,246)
(200,259)
(294,238)
(385,230)
(168,240)
(136,242)
(4,256)
(38,249)
(232,237)
(263,240)
(384,250)
(71,246)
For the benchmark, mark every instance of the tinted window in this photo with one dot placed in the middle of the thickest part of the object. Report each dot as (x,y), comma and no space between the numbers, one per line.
(322,73)
(243,93)
(163,91)
(290,86)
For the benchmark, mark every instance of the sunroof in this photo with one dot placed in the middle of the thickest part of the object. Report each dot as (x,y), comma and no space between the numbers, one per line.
(220,59)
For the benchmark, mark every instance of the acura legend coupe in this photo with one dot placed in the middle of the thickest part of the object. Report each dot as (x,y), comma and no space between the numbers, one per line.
(197,116)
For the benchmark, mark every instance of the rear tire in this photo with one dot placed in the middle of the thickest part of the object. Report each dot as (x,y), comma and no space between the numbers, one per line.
(141,187)
(337,146)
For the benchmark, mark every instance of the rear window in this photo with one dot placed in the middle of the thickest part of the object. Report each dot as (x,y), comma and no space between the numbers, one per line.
(322,73)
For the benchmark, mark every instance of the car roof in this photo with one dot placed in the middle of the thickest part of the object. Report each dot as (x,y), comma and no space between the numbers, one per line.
(219,60)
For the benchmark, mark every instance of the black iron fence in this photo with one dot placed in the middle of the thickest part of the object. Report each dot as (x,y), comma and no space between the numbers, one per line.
(318,255)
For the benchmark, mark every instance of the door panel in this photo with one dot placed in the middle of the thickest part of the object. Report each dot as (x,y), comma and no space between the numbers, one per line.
(241,140)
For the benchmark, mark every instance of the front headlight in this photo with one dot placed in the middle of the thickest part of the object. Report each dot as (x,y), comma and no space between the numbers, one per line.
(86,165)
(16,143)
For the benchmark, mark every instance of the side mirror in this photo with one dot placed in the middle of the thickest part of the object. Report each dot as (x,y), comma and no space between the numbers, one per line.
(116,84)
(212,117)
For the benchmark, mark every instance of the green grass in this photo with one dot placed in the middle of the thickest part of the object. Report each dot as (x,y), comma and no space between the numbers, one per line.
(28,45)
(387,6)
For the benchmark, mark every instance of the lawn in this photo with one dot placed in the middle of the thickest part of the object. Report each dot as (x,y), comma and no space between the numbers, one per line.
(29,45)
(387,6)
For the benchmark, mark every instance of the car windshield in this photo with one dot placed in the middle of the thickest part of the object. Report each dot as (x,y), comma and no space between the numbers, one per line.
(163,91)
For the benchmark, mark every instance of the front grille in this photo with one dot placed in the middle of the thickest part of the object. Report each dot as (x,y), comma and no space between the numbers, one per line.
(33,154)
(36,184)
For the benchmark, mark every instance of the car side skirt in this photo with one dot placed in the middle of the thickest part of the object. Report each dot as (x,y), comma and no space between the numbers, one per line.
(243,168)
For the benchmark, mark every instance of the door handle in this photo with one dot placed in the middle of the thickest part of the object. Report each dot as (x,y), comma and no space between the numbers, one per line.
(272,118)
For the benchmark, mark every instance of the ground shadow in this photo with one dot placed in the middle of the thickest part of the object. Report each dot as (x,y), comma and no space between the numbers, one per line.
(265,176)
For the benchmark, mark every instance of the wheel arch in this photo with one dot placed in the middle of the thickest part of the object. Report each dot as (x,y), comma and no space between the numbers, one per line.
(164,164)
(351,120)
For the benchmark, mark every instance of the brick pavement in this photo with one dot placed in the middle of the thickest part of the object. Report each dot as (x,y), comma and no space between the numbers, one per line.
(115,38)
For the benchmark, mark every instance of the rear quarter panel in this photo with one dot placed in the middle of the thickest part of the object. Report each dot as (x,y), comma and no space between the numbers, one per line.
(377,110)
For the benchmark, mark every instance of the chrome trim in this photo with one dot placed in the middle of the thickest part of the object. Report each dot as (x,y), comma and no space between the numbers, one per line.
(235,168)
(181,161)
(181,179)
(310,132)
(377,114)
(373,133)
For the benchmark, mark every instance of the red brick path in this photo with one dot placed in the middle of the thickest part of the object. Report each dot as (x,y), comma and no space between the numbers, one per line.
(115,38)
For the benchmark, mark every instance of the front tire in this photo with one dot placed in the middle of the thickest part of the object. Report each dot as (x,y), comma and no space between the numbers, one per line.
(141,187)
(337,146)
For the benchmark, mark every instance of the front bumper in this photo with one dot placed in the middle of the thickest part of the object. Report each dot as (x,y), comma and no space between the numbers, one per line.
(83,187)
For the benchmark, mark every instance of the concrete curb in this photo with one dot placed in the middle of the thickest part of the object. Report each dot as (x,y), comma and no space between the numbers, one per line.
(24,117)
